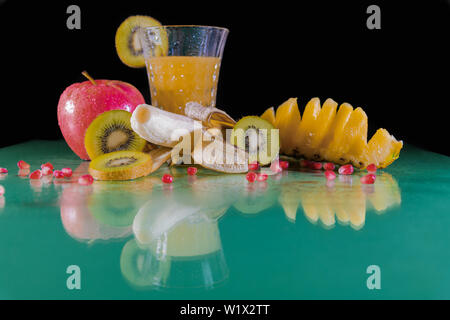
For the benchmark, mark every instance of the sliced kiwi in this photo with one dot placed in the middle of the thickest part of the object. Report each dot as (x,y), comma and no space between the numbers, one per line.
(121,165)
(111,131)
(258,137)
(128,44)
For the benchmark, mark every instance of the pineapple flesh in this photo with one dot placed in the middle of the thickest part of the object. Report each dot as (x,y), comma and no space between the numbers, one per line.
(326,133)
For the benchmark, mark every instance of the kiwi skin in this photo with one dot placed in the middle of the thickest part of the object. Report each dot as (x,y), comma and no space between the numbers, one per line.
(139,165)
(98,132)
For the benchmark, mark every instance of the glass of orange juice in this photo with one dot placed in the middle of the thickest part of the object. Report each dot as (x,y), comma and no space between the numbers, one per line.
(183,64)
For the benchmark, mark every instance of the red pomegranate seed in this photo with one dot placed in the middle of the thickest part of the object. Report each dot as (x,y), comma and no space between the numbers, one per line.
(167,178)
(251,177)
(372,168)
(284,165)
(330,175)
(346,169)
(67,172)
(2,190)
(192,171)
(261,177)
(46,170)
(3,170)
(48,164)
(368,178)
(36,174)
(58,174)
(253,166)
(23,165)
(315,165)
(23,172)
(85,180)
(304,163)
(328,166)
(275,167)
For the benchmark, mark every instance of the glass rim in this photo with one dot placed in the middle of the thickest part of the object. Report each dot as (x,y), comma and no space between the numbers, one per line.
(187,26)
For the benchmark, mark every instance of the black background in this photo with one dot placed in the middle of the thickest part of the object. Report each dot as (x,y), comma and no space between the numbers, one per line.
(275,50)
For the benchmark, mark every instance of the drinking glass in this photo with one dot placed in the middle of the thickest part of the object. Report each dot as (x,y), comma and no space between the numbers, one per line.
(183,64)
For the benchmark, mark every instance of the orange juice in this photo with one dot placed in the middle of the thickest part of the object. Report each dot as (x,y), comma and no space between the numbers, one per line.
(176,80)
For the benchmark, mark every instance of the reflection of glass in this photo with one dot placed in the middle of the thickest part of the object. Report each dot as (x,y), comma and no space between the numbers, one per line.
(183,64)
(180,237)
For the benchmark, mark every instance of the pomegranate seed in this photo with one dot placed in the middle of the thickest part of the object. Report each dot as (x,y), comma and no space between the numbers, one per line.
(262,177)
(372,168)
(315,165)
(48,164)
(2,190)
(330,175)
(346,169)
(67,172)
(304,163)
(251,177)
(253,166)
(86,180)
(275,167)
(36,174)
(167,178)
(23,165)
(284,165)
(58,174)
(23,172)
(46,170)
(368,178)
(328,166)
(192,171)
(3,170)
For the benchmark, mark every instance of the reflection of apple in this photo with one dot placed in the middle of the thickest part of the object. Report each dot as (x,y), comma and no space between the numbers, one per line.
(82,102)
(77,218)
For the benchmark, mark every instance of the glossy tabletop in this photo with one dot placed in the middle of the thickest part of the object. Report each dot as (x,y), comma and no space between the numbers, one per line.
(216,236)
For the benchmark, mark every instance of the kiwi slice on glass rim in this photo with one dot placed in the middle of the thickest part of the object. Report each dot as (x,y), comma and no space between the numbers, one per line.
(111,131)
(128,44)
(121,165)
(258,137)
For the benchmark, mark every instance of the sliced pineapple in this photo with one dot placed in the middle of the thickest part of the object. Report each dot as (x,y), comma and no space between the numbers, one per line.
(320,127)
(354,140)
(383,148)
(304,135)
(287,119)
(331,146)
(322,134)
(269,115)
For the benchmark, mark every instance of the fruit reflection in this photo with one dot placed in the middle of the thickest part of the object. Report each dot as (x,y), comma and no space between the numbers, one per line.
(103,211)
(343,200)
(177,242)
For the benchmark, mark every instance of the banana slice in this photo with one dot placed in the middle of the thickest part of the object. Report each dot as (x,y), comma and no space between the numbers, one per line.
(220,156)
(161,127)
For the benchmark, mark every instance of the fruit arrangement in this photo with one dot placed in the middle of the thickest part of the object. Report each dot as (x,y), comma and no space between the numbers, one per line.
(109,123)
(324,133)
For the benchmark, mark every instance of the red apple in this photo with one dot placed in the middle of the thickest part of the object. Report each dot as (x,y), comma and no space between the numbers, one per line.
(82,102)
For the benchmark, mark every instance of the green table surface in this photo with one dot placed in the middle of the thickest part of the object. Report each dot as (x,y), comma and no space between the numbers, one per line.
(215,236)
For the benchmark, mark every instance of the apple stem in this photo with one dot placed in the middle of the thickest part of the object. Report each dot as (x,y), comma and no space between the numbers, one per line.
(84,73)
